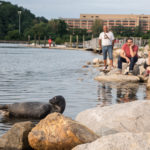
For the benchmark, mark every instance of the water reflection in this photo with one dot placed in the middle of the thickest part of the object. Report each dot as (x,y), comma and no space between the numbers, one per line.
(127,92)
(112,93)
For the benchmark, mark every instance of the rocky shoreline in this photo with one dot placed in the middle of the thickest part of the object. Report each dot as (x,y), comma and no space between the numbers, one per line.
(120,127)
(123,126)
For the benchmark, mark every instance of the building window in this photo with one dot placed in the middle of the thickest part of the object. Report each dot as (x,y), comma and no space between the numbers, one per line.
(111,20)
(118,20)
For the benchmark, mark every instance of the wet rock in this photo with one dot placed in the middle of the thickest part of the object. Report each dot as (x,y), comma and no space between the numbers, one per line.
(120,141)
(85,66)
(88,63)
(118,78)
(96,65)
(17,137)
(4,113)
(57,132)
(125,117)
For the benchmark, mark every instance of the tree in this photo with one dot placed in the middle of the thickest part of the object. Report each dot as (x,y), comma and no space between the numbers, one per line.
(97,27)
(9,19)
(13,35)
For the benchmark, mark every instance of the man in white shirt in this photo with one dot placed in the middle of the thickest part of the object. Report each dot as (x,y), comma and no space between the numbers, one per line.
(106,43)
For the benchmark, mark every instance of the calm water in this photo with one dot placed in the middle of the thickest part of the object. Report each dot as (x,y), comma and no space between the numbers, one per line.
(29,74)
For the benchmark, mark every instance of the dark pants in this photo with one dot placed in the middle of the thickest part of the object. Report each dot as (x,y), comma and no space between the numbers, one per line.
(133,60)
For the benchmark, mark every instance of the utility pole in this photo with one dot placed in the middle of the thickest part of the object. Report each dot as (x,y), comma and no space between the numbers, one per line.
(19,13)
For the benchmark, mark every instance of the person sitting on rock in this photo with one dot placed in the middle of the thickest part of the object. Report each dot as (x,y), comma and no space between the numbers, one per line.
(147,65)
(128,55)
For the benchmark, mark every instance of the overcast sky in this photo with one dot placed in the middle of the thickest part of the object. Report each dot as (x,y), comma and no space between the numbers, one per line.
(73,8)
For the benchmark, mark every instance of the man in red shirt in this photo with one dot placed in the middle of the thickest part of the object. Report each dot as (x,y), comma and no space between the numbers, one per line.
(129,55)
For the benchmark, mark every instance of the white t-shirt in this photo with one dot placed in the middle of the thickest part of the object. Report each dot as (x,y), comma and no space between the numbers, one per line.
(106,38)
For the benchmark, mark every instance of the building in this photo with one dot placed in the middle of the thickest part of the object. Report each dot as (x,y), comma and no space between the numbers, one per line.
(80,23)
(86,21)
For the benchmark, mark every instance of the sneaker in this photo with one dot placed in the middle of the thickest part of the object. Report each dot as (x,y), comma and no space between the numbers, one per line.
(105,68)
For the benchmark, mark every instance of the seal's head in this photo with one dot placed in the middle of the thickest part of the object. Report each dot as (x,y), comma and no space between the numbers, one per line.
(58,104)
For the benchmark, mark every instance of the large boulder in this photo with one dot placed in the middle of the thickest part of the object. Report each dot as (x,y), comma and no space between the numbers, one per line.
(17,137)
(118,78)
(57,132)
(120,141)
(126,117)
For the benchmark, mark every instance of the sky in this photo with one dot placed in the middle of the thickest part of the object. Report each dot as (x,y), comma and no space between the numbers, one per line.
(51,9)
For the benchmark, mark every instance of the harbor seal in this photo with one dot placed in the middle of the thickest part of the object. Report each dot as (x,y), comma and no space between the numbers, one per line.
(35,110)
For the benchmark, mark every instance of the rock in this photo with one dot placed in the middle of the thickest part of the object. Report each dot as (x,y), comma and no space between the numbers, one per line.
(141,61)
(120,141)
(88,63)
(136,70)
(17,137)
(85,66)
(125,117)
(143,78)
(57,132)
(96,65)
(125,70)
(142,70)
(97,61)
(116,52)
(146,48)
(4,113)
(148,84)
(118,78)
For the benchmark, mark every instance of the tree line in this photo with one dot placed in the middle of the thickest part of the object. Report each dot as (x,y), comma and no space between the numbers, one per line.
(120,31)
(56,29)
(35,27)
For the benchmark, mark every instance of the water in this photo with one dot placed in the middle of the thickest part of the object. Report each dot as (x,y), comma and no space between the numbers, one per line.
(29,74)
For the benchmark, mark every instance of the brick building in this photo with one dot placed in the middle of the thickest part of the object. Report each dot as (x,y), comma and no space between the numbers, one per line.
(86,21)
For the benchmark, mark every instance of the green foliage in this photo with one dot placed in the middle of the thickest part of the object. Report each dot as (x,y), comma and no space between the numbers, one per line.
(9,20)
(121,31)
(12,35)
(97,27)
(59,40)
(146,35)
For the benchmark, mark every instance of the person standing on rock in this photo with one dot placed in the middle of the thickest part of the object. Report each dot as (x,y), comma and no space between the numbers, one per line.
(106,43)
(128,55)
